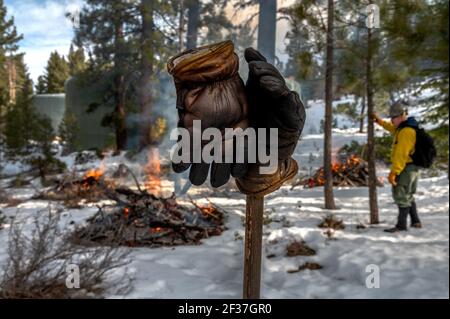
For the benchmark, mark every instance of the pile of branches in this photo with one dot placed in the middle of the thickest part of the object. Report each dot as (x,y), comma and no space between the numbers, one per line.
(92,187)
(142,219)
(353,172)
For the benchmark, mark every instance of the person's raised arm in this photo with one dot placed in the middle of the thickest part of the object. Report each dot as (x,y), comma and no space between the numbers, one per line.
(384,124)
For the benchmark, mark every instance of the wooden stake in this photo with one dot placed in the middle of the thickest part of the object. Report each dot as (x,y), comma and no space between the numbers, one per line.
(253,246)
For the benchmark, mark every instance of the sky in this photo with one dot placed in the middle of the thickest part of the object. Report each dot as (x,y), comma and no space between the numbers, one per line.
(46,29)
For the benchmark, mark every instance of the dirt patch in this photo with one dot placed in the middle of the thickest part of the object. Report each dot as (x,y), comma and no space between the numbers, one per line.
(299,248)
(330,221)
(310,266)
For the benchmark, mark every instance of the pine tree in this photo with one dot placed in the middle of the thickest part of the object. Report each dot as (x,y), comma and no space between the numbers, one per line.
(103,25)
(21,116)
(423,45)
(68,132)
(128,53)
(207,22)
(76,60)
(213,17)
(29,135)
(56,73)
(41,86)
(318,21)
(9,39)
(43,159)
(304,59)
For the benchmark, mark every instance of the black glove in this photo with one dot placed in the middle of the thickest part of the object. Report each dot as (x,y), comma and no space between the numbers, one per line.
(271,105)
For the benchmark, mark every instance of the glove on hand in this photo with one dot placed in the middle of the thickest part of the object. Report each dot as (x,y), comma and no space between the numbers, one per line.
(392,178)
(375,118)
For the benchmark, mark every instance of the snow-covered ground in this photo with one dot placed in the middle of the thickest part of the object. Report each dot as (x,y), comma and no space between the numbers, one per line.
(412,264)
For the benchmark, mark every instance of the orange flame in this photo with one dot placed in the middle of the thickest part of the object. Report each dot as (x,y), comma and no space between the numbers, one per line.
(354,160)
(336,167)
(153,171)
(91,178)
(154,230)
(94,173)
(126,212)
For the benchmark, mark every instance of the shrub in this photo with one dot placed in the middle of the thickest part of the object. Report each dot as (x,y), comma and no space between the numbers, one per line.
(36,265)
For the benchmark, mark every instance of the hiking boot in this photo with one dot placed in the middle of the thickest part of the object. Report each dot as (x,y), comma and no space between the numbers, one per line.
(416,225)
(394,230)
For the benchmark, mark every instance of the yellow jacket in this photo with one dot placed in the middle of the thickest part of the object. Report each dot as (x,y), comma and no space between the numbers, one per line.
(403,146)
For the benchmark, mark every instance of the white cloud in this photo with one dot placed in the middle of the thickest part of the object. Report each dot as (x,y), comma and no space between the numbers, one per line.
(45,29)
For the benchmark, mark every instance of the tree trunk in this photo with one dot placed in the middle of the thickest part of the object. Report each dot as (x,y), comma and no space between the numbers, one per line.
(145,87)
(181,27)
(373,204)
(193,21)
(119,81)
(267,29)
(328,187)
(361,117)
(12,78)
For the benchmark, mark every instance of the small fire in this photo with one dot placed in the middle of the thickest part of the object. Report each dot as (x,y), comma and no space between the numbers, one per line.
(91,178)
(337,168)
(126,212)
(354,160)
(94,173)
(154,230)
(209,211)
(153,171)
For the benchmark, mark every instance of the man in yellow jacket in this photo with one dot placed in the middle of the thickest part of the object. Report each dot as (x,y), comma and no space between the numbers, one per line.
(404,174)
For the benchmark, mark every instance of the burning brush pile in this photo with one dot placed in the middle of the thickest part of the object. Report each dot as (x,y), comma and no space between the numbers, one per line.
(138,216)
(91,187)
(353,172)
(143,219)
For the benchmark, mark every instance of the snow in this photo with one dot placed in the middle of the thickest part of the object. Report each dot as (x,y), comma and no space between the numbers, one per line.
(412,264)
(315,111)
(13,168)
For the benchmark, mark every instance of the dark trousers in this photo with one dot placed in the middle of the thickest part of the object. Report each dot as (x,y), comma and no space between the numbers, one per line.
(403,216)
